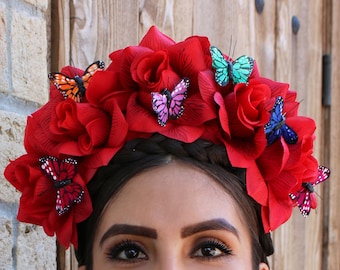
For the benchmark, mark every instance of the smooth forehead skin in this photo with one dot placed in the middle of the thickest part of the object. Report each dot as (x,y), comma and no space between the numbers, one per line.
(168,199)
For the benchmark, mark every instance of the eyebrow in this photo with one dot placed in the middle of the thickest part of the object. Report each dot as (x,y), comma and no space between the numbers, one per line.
(213,224)
(117,229)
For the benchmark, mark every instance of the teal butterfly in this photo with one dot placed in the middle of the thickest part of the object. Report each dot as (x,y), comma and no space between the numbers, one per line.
(238,71)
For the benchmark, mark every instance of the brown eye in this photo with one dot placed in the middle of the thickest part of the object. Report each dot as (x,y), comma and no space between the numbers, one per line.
(127,251)
(131,253)
(211,249)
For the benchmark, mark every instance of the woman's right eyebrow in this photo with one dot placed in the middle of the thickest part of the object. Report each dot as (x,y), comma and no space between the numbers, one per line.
(117,229)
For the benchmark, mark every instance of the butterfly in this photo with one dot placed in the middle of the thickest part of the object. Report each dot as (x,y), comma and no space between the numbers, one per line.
(75,87)
(62,172)
(238,71)
(276,127)
(305,197)
(170,104)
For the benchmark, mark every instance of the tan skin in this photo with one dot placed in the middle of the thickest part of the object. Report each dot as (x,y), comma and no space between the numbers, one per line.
(172,217)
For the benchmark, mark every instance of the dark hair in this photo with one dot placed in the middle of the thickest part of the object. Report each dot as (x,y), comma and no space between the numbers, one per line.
(140,154)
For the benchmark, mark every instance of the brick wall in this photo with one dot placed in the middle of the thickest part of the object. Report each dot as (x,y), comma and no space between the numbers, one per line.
(24,47)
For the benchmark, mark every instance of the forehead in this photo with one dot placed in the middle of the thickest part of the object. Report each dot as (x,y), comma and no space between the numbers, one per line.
(178,194)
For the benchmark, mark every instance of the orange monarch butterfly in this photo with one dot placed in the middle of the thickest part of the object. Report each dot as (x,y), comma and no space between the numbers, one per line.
(75,87)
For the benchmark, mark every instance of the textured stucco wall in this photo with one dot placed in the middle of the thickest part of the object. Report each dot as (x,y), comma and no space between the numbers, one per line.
(24,46)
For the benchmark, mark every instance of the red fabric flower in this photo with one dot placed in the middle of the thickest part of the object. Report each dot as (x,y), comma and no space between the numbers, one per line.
(156,40)
(279,170)
(38,200)
(79,127)
(163,68)
(67,128)
(121,64)
(152,71)
(106,86)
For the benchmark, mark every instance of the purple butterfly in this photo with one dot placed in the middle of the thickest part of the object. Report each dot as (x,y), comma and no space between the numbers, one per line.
(305,197)
(170,104)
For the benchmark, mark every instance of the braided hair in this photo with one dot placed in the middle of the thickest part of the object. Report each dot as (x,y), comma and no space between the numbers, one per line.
(140,154)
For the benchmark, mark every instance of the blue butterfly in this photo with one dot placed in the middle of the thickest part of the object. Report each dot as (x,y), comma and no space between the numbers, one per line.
(238,71)
(276,127)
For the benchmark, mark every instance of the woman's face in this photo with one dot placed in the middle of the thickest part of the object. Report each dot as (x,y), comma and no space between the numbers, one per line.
(172,217)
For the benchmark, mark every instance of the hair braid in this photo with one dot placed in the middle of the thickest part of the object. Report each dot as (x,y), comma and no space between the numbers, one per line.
(200,150)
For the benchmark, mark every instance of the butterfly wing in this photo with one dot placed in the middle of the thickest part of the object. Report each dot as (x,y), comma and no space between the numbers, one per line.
(67,196)
(220,65)
(178,96)
(91,70)
(276,127)
(302,200)
(323,174)
(58,170)
(67,86)
(242,68)
(289,134)
(305,197)
(160,107)
(62,172)
(272,128)
(75,87)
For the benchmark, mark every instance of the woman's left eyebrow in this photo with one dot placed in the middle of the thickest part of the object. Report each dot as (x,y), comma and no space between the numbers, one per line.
(117,229)
(213,224)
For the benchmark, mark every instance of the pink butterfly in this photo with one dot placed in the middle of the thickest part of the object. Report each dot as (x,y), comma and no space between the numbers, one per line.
(170,104)
(62,173)
(305,197)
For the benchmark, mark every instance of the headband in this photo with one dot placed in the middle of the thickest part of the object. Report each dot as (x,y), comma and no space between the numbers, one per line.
(185,91)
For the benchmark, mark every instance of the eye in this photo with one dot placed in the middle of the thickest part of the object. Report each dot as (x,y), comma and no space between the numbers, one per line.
(211,249)
(127,251)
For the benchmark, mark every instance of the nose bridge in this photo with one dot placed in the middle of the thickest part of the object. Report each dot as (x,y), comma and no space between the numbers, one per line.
(170,263)
(170,257)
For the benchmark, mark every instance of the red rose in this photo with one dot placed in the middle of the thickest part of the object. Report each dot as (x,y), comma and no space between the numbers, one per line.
(152,71)
(106,86)
(243,141)
(24,170)
(121,64)
(116,138)
(89,132)
(66,127)
(283,167)
(164,68)
(79,127)
(38,200)
(250,110)
(169,63)
(189,57)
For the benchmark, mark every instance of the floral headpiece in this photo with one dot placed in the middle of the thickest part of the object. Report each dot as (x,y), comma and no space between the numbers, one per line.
(185,91)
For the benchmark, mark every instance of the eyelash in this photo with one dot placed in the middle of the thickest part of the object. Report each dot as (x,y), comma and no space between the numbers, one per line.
(123,246)
(215,244)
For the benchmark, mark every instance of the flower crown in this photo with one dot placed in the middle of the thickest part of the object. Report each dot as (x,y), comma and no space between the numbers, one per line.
(185,91)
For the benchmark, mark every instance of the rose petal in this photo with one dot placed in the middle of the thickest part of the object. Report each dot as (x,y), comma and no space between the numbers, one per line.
(156,40)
